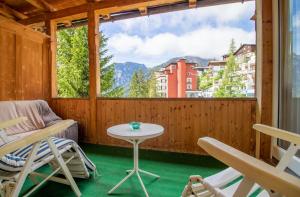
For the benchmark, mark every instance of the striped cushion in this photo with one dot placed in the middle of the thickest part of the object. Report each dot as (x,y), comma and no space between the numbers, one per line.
(15,161)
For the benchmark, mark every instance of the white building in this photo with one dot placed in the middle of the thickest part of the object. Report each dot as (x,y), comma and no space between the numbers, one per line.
(245,57)
(161,84)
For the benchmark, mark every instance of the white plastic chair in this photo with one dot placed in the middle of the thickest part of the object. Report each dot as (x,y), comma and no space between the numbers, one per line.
(255,173)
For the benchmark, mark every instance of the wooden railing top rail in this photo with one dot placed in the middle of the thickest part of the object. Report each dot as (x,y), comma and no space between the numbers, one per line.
(260,172)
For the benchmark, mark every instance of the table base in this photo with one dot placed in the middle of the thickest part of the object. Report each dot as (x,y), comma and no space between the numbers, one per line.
(135,170)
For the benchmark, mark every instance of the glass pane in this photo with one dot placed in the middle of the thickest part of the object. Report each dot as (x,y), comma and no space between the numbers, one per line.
(290,67)
(190,53)
(72,62)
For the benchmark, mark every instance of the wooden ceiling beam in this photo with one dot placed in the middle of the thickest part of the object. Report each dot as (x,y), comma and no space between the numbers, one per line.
(104,7)
(11,13)
(37,4)
(42,5)
(48,6)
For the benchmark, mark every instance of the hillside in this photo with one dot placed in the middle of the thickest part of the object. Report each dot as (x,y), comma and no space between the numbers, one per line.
(124,71)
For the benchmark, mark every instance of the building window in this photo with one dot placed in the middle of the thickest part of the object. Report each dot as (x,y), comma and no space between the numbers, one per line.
(189,86)
(189,80)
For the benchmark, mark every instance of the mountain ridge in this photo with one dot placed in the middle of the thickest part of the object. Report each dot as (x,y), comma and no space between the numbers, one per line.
(124,71)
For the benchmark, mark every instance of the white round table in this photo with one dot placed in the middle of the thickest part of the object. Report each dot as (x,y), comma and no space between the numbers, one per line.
(124,132)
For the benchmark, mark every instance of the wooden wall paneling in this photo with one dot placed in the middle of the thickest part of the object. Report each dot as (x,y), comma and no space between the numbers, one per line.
(46,69)
(7,65)
(184,121)
(21,61)
(19,67)
(197,126)
(77,109)
(32,69)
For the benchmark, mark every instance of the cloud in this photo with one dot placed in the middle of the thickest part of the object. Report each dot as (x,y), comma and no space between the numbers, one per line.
(204,32)
(206,42)
(220,15)
(296,21)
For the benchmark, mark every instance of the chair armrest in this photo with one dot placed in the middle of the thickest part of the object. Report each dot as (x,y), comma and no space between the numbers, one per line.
(278,133)
(35,137)
(12,122)
(256,170)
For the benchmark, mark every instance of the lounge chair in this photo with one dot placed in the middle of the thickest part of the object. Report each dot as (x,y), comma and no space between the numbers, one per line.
(21,157)
(247,175)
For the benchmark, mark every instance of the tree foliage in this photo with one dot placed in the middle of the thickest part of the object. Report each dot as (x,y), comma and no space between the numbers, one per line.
(72,62)
(138,85)
(205,80)
(73,65)
(152,91)
(232,82)
(107,72)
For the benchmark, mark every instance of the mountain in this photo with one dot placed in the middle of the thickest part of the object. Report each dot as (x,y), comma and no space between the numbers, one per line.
(124,72)
(189,59)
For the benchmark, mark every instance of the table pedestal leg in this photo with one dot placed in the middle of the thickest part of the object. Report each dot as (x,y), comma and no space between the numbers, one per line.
(135,170)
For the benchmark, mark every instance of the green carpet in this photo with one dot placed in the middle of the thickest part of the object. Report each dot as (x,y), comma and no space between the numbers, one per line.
(112,163)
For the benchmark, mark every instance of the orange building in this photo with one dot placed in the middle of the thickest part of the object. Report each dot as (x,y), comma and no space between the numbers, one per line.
(181,77)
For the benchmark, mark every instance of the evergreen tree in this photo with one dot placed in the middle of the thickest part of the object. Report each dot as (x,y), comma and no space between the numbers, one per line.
(232,83)
(232,47)
(73,65)
(152,91)
(72,62)
(205,80)
(139,85)
(107,72)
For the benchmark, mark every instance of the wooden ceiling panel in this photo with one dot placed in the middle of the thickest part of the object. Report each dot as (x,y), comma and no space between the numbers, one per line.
(63,4)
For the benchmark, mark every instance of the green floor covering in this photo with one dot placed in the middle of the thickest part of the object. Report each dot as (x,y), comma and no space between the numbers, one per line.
(112,162)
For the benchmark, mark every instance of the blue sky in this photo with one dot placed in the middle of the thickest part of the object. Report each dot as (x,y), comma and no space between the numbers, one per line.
(204,32)
(295,20)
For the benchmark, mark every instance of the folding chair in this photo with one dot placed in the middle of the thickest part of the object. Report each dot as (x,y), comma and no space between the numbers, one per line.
(246,174)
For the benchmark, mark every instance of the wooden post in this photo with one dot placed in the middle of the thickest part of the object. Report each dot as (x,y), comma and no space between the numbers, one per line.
(93,40)
(264,73)
(51,31)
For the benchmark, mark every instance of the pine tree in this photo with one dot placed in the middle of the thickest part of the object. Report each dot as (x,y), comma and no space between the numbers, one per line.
(73,65)
(152,91)
(232,83)
(107,72)
(72,62)
(138,85)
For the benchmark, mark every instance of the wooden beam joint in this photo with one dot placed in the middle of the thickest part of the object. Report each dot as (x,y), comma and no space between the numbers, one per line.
(143,11)
(192,3)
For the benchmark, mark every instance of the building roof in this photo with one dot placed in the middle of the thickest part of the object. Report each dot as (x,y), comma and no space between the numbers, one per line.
(252,48)
(216,62)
